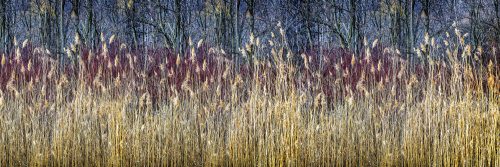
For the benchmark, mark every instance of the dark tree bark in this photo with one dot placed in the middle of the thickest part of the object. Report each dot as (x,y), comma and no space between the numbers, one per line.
(61,30)
(4,26)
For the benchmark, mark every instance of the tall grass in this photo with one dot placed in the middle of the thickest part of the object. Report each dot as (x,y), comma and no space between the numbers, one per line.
(113,107)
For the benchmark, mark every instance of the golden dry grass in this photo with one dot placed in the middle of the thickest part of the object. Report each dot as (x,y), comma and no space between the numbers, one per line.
(258,123)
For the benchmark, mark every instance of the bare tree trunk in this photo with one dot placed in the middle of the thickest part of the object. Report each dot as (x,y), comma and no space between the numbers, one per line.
(179,26)
(4,26)
(91,30)
(410,38)
(353,36)
(475,16)
(235,6)
(497,16)
(61,30)
(75,14)
(336,24)
(251,22)
(427,21)
(307,14)
(251,12)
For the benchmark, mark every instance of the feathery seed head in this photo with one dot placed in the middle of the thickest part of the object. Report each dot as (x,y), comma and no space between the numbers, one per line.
(104,49)
(68,53)
(178,60)
(423,48)
(23,69)
(226,72)
(198,69)
(15,41)
(426,38)
(123,46)
(289,55)
(103,39)
(77,39)
(490,67)
(73,47)
(25,43)
(111,39)
(379,66)
(193,55)
(18,55)
(110,65)
(117,61)
(479,50)
(491,82)
(204,66)
(306,60)
(3,59)
(190,41)
(29,65)
(457,33)
(374,43)
(248,47)
(282,32)
(252,38)
(200,42)
(353,60)
(467,51)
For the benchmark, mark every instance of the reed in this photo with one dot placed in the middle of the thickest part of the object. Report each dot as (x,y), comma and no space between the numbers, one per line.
(111,107)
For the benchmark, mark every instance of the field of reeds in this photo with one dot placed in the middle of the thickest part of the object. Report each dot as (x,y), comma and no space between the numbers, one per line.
(120,107)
